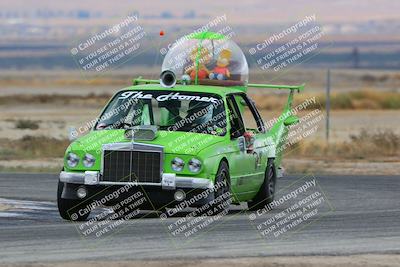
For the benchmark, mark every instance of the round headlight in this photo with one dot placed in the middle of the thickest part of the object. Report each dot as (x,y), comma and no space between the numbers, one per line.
(72,159)
(177,164)
(194,165)
(88,160)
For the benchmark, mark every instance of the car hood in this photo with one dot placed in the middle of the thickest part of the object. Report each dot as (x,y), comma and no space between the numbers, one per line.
(173,142)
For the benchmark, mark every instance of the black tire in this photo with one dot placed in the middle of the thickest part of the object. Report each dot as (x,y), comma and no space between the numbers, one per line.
(68,208)
(222,196)
(266,193)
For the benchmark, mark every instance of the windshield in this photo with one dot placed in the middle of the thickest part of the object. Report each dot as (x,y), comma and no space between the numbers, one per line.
(168,110)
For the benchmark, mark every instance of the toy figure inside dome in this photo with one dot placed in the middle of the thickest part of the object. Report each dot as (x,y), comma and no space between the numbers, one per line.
(221,71)
(199,63)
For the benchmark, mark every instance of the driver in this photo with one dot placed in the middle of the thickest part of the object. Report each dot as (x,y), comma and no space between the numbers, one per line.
(199,113)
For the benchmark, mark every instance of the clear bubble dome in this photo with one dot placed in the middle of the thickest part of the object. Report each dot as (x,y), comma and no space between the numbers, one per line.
(208,59)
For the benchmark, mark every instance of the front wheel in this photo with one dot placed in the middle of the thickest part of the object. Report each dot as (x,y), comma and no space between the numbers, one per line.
(222,195)
(69,208)
(266,193)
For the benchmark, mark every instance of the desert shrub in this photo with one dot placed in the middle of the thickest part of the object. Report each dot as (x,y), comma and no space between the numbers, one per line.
(383,142)
(391,103)
(341,101)
(27,124)
(368,78)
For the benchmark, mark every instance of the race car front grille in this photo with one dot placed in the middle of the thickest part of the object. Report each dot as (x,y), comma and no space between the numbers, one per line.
(131,166)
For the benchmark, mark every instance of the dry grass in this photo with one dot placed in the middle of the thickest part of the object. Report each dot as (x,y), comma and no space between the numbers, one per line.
(365,99)
(365,153)
(32,147)
(23,169)
(356,100)
(365,145)
(55,78)
(89,99)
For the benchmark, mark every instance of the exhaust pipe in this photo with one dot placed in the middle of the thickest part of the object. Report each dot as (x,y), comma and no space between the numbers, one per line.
(168,79)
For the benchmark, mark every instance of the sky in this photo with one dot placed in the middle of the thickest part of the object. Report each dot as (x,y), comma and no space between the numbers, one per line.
(251,11)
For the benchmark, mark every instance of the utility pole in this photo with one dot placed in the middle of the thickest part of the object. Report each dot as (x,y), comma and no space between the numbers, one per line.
(356,57)
(328,103)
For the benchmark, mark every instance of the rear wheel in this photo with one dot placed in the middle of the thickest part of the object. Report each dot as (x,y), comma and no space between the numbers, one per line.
(266,193)
(69,208)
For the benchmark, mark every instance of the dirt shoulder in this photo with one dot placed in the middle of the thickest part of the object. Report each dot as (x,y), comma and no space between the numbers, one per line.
(342,167)
(320,261)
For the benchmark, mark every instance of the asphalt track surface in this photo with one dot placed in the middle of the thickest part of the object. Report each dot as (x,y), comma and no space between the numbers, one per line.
(359,214)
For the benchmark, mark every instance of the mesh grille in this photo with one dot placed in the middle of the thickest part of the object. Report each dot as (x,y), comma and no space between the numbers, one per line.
(131,166)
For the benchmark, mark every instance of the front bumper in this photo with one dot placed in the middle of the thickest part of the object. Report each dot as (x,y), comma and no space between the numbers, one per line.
(159,194)
(169,181)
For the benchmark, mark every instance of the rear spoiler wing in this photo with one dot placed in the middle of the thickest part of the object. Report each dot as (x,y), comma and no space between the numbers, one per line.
(279,87)
(292,88)
(299,88)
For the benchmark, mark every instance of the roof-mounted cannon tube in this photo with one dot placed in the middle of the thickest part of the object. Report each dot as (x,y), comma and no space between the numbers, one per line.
(168,79)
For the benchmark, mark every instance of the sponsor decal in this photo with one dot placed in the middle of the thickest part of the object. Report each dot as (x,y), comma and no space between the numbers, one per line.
(166,97)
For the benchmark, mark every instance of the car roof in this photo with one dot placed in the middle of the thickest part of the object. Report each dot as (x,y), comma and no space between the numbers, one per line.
(187,88)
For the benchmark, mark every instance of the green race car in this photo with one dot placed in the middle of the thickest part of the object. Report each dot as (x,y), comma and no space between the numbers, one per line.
(179,142)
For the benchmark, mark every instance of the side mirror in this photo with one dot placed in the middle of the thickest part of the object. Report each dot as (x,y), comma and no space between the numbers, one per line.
(291,120)
(242,144)
(249,139)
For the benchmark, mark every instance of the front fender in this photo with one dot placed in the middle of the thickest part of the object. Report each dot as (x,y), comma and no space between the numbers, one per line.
(212,164)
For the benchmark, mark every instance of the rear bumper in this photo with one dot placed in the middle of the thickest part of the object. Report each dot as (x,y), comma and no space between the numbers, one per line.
(169,181)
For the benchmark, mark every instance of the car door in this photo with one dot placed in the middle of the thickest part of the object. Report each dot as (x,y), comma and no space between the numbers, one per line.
(254,132)
(246,171)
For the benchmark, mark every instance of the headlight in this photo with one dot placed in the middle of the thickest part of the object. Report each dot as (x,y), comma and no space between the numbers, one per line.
(194,165)
(88,160)
(72,159)
(177,164)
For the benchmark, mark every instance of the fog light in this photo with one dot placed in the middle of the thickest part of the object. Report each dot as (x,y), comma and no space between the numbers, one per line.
(179,195)
(81,192)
